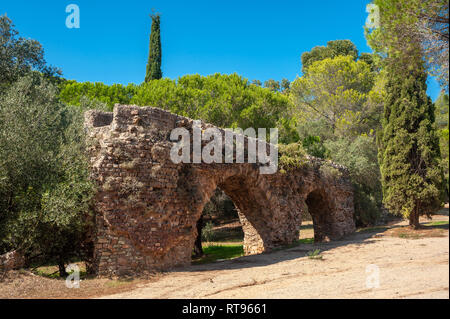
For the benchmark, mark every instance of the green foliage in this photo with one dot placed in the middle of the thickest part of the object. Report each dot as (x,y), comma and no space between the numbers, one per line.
(333,49)
(272,85)
(154,57)
(314,254)
(220,205)
(208,232)
(405,26)
(359,156)
(72,93)
(19,56)
(408,146)
(314,146)
(336,90)
(257,82)
(291,156)
(44,186)
(373,60)
(338,104)
(330,172)
(441,113)
(319,127)
(285,85)
(228,101)
(220,252)
(287,132)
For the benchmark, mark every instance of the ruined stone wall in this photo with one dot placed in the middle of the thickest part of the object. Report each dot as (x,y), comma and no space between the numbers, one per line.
(147,206)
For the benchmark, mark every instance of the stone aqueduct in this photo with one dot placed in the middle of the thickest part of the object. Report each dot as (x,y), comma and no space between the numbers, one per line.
(146,206)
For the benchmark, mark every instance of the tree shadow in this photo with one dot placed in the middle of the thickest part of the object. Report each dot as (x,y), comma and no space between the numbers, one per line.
(285,253)
(362,237)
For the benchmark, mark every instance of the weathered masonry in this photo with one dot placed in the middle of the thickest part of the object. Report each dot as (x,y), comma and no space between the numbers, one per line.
(147,206)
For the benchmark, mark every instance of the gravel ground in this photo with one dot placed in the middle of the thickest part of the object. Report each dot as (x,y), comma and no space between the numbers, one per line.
(411,264)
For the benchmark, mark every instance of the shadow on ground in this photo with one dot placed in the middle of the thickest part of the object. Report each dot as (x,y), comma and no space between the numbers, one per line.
(364,236)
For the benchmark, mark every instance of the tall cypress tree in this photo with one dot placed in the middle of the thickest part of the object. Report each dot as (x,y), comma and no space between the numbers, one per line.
(409,152)
(154,56)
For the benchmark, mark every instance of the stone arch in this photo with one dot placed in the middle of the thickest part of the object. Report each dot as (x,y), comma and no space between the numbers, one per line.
(319,207)
(250,196)
(251,204)
(147,206)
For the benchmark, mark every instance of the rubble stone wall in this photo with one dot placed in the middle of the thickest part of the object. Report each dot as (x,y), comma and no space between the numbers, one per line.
(147,206)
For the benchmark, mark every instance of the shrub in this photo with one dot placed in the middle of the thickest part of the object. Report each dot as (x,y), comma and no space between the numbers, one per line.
(360,157)
(291,156)
(208,232)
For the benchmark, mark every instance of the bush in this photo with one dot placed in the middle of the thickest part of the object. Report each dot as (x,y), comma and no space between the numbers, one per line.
(221,206)
(291,156)
(314,146)
(208,232)
(360,157)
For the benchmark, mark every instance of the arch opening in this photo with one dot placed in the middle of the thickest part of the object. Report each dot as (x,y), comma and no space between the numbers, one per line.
(251,227)
(319,209)
(219,231)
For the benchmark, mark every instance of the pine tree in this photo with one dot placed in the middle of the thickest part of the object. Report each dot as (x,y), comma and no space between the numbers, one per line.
(409,154)
(154,56)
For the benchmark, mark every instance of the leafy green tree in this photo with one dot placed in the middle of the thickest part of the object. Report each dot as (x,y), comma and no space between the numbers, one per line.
(314,146)
(333,49)
(359,155)
(272,85)
(409,147)
(222,100)
(409,154)
(19,56)
(343,48)
(337,103)
(408,24)
(154,57)
(71,93)
(257,82)
(373,60)
(442,105)
(336,90)
(45,189)
(285,85)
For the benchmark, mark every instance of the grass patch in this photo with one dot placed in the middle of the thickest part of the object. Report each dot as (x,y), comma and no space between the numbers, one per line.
(219,252)
(314,254)
(229,235)
(119,282)
(432,229)
(409,236)
(306,241)
(438,223)
(52,271)
(372,229)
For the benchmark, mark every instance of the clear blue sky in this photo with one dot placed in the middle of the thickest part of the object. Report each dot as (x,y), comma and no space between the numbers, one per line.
(258,39)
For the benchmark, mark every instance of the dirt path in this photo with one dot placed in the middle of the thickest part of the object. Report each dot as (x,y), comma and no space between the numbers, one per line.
(408,268)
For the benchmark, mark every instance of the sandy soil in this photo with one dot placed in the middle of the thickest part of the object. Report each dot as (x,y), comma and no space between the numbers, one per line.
(411,265)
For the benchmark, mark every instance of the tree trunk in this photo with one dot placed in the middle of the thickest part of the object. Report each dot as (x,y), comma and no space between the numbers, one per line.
(62,269)
(198,250)
(414,219)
